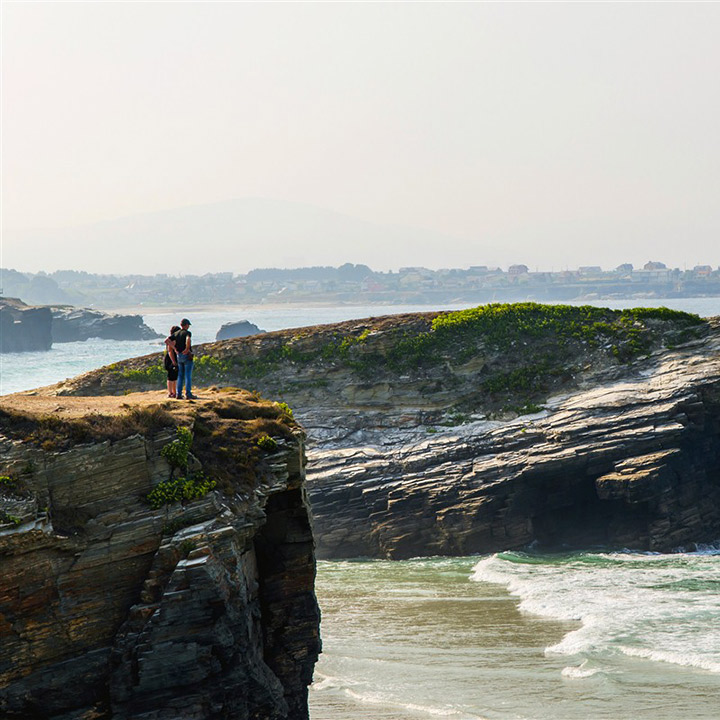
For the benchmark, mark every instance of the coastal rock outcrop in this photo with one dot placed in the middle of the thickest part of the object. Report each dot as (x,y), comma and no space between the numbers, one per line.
(24,328)
(241,328)
(631,463)
(157,561)
(494,428)
(70,324)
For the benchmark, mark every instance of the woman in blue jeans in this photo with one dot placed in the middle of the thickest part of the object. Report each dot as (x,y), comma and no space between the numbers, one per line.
(183,348)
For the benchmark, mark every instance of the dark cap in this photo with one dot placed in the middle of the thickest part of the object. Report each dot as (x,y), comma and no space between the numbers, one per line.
(185,321)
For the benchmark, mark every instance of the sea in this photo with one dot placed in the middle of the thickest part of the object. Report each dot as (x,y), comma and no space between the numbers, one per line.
(582,635)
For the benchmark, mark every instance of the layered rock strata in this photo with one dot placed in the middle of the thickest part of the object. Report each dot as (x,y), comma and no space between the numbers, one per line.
(632,463)
(580,433)
(110,608)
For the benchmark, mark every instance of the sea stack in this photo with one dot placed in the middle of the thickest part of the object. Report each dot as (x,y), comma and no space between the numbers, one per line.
(241,328)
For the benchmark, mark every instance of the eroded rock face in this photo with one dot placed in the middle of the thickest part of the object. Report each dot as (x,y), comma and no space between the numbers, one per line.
(111,609)
(632,462)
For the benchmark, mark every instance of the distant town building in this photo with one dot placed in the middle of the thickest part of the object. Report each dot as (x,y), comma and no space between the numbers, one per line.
(518,270)
(654,266)
(624,268)
(702,270)
(590,270)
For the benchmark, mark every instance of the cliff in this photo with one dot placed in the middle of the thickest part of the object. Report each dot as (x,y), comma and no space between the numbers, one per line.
(477,431)
(24,328)
(157,559)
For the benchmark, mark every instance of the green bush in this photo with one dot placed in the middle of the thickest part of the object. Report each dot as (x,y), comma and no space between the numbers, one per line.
(180,489)
(505,326)
(267,443)
(186,547)
(176,452)
(155,375)
(286,412)
(209,368)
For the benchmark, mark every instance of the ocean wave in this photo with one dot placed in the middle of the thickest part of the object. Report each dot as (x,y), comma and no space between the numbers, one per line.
(684,659)
(657,607)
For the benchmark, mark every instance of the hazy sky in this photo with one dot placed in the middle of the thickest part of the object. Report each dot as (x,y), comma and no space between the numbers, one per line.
(553,134)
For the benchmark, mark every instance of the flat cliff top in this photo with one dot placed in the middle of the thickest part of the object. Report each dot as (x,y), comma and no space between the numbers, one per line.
(44,401)
(42,418)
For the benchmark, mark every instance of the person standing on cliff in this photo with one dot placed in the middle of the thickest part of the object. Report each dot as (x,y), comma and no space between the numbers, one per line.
(170,362)
(183,348)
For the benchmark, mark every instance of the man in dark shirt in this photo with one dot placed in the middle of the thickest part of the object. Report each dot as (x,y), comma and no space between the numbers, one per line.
(183,347)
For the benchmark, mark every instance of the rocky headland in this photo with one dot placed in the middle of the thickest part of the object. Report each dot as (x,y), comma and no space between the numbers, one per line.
(492,428)
(71,324)
(24,328)
(28,328)
(157,559)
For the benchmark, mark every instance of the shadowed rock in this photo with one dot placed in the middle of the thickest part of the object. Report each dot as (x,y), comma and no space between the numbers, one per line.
(24,328)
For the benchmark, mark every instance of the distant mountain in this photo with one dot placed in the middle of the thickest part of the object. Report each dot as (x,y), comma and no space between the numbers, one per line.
(234,235)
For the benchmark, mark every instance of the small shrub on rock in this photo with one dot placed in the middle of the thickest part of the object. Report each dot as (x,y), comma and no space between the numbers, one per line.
(285,411)
(180,489)
(176,452)
(267,443)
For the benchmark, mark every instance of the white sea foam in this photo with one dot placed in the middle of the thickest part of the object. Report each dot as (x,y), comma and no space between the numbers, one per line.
(685,659)
(380,699)
(658,607)
(329,682)
(581,671)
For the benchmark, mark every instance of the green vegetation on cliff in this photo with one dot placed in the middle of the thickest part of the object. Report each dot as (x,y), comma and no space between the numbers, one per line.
(504,327)
(182,488)
(516,353)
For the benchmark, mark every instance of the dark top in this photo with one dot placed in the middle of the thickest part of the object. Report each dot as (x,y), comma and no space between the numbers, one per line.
(181,337)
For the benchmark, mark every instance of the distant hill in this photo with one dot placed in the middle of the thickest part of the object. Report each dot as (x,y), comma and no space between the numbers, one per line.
(234,235)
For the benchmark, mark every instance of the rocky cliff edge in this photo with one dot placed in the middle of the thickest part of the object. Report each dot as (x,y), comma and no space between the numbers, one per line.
(157,559)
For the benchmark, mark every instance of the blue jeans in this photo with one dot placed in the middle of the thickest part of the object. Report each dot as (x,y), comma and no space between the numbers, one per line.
(185,367)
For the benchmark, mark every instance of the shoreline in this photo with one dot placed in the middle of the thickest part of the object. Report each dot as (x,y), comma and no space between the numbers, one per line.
(230,307)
